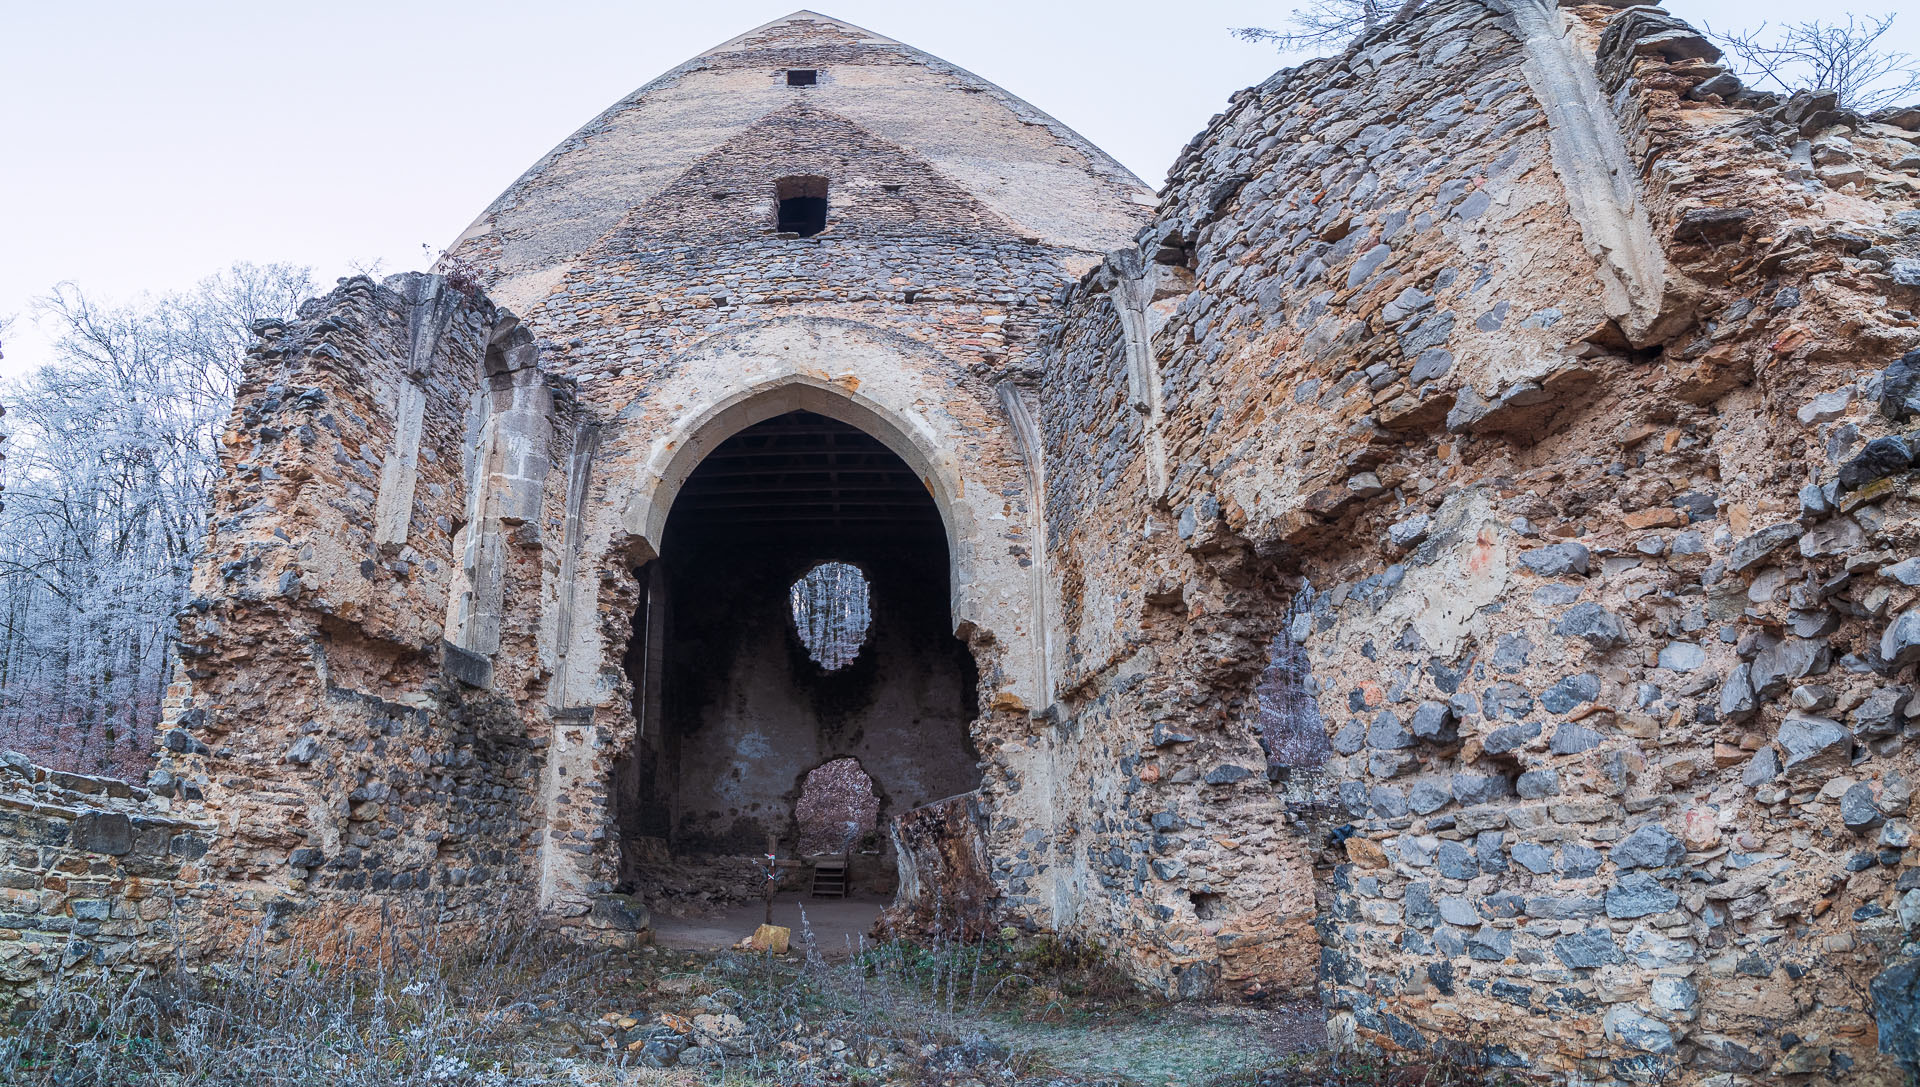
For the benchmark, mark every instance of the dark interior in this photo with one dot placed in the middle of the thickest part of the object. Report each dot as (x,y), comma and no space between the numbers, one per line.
(734,711)
(803,215)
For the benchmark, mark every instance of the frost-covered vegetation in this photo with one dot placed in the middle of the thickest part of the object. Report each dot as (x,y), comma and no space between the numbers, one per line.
(113,448)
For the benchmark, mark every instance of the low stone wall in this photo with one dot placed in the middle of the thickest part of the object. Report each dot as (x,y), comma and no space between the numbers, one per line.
(95,877)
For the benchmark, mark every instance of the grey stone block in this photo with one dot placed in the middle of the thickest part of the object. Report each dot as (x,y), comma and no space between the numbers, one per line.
(1639,895)
(1750,551)
(1900,643)
(1434,722)
(1587,949)
(1813,744)
(1556,560)
(1650,846)
(1535,858)
(1858,810)
(103,832)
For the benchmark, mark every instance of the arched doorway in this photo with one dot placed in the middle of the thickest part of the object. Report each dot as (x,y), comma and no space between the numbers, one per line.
(798,613)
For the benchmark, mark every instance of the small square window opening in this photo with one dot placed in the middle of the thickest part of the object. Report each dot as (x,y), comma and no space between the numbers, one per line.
(802,203)
(802,77)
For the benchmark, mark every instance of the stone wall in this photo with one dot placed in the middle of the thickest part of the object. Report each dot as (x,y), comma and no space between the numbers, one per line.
(1589,472)
(97,878)
(343,748)
(405,670)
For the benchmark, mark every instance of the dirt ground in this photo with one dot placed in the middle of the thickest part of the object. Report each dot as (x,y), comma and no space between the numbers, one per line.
(838,924)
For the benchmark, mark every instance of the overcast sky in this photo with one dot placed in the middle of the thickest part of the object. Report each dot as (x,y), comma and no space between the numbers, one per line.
(145,145)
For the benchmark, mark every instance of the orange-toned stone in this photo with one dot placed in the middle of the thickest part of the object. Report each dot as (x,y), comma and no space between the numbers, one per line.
(1366,853)
(1656,517)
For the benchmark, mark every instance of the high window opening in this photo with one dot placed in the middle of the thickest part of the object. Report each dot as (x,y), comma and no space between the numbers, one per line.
(802,77)
(1289,726)
(797,623)
(830,613)
(837,812)
(802,205)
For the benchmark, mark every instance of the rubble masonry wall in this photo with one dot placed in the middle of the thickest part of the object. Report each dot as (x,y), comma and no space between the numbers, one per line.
(1610,621)
(95,878)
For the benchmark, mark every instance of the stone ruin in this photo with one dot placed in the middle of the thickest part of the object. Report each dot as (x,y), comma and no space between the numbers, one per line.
(1528,396)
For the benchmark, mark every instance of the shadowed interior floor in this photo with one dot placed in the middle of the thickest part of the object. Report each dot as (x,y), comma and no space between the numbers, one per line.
(838,924)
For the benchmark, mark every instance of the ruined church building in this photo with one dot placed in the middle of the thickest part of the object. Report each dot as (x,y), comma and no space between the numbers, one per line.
(1517,388)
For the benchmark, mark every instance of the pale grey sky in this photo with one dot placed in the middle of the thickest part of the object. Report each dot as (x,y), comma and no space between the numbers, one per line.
(144,146)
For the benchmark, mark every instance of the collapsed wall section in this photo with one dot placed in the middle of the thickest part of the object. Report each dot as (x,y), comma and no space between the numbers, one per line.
(1561,504)
(341,748)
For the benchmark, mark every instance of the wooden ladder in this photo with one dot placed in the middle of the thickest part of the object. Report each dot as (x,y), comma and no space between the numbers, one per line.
(830,878)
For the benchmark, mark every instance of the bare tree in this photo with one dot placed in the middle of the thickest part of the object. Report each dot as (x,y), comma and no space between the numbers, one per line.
(116,449)
(1840,57)
(1325,24)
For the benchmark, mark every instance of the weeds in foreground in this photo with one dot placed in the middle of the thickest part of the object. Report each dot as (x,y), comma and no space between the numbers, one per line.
(407,1009)
(398,1010)
(1042,978)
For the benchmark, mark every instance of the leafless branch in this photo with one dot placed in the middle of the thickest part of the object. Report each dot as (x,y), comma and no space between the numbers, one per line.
(1322,25)
(1840,57)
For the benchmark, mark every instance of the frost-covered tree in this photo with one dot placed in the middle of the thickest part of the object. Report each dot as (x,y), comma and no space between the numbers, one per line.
(113,453)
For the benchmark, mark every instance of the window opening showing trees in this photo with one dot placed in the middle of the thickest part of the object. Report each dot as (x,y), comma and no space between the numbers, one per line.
(831,612)
(838,811)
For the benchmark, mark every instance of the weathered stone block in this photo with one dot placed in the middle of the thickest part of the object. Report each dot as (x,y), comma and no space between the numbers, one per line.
(1813,745)
(1650,846)
(103,832)
(1587,949)
(1752,550)
(1556,560)
(1900,643)
(1626,1025)
(1639,895)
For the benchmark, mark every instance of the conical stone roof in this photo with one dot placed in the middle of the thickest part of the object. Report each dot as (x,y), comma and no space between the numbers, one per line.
(1030,170)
